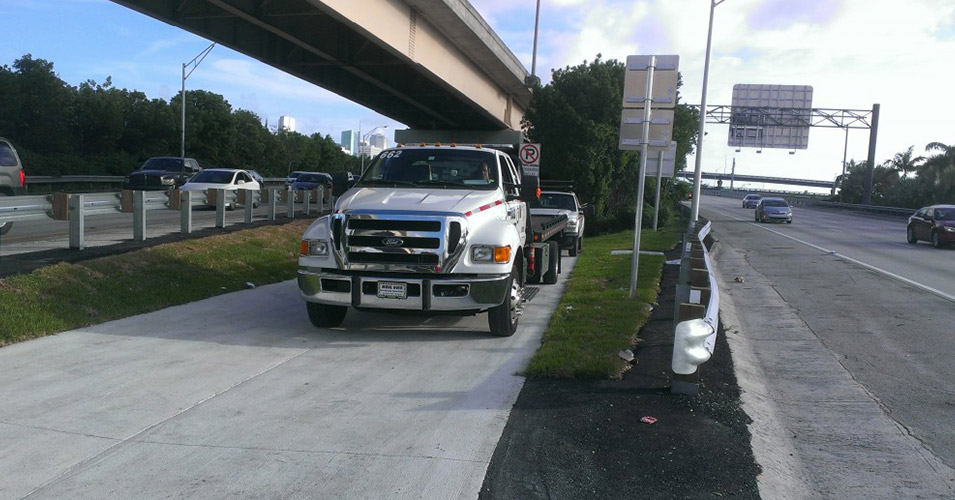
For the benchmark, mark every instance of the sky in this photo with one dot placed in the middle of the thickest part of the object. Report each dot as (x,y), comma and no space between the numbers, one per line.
(854,53)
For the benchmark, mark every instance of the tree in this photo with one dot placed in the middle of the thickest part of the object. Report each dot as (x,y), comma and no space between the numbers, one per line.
(576,118)
(904,163)
(45,111)
(938,172)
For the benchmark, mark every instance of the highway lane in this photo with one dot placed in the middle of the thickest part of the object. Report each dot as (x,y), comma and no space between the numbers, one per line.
(846,330)
(240,396)
(875,240)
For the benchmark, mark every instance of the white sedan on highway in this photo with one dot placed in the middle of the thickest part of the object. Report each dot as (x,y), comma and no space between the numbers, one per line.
(230,179)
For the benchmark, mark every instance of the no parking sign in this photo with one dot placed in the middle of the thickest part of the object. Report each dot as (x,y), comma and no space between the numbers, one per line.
(530,155)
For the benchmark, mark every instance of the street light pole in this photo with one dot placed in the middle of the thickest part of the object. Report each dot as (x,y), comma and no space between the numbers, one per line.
(697,174)
(362,140)
(182,96)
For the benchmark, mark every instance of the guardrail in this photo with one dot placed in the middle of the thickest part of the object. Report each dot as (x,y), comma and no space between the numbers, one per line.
(697,313)
(75,207)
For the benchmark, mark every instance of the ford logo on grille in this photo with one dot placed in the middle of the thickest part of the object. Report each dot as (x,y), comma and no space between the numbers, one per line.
(392,242)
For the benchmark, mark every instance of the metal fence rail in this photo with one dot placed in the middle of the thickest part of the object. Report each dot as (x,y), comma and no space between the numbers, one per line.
(75,207)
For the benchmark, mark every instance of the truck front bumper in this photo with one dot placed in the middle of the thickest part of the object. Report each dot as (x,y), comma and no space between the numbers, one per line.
(438,293)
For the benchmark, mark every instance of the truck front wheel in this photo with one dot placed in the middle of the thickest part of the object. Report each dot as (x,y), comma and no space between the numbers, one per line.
(324,315)
(502,320)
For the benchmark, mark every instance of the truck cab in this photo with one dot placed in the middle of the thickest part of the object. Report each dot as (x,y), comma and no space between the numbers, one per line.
(435,229)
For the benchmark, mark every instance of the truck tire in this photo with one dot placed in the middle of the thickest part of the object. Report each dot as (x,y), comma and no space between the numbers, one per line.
(577,247)
(325,315)
(502,320)
(550,277)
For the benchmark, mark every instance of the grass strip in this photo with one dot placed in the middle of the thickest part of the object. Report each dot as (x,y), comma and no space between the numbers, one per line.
(596,317)
(67,296)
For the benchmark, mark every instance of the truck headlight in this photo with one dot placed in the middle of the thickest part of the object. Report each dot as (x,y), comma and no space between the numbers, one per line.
(491,254)
(318,248)
(167,181)
(949,229)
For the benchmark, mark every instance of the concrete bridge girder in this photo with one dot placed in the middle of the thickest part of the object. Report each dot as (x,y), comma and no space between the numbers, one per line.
(430,64)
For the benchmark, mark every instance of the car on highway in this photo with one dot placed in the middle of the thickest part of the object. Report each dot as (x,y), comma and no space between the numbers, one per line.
(257,177)
(162,172)
(230,179)
(12,178)
(312,180)
(750,200)
(290,179)
(773,209)
(935,224)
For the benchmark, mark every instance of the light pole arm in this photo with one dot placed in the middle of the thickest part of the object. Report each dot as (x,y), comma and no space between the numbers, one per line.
(182,96)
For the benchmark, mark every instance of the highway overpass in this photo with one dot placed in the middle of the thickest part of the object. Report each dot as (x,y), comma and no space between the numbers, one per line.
(430,64)
(757,178)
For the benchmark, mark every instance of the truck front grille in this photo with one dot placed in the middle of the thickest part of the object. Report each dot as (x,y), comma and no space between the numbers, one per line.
(396,242)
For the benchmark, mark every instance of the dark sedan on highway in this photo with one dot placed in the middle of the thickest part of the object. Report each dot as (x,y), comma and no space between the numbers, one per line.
(750,200)
(935,224)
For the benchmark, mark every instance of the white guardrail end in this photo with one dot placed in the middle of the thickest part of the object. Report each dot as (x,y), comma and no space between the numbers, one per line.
(689,346)
(695,339)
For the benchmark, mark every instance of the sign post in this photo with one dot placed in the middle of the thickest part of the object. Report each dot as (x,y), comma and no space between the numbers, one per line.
(666,161)
(658,77)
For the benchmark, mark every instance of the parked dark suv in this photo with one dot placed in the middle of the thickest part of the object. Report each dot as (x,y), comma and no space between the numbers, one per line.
(12,179)
(162,172)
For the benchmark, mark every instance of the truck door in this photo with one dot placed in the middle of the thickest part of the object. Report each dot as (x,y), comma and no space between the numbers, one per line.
(516,209)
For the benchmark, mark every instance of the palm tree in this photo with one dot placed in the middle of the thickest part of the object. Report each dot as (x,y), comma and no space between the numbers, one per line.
(938,172)
(904,163)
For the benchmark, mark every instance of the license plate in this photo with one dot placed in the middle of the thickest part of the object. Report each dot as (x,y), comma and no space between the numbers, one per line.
(392,290)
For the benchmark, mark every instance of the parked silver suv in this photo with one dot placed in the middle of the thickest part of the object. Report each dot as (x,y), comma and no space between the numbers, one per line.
(12,178)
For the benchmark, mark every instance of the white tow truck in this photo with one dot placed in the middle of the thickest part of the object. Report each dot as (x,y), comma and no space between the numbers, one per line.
(426,229)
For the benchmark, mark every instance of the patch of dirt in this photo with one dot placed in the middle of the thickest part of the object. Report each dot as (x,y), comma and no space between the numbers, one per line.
(575,439)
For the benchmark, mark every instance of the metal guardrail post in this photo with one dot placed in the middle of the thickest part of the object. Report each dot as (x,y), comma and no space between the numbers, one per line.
(307,196)
(291,204)
(139,216)
(77,236)
(249,204)
(273,194)
(185,212)
(220,207)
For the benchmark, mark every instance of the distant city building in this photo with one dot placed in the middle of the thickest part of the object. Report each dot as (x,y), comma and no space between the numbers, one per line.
(350,142)
(369,150)
(287,123)
(378,141)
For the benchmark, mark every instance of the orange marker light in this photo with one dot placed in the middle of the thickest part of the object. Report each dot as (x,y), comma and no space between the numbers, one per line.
(502,254)
(303,248)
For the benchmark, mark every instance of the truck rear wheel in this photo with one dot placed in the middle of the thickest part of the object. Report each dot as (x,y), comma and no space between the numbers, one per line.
(325,315)
(553,267)
(502,320)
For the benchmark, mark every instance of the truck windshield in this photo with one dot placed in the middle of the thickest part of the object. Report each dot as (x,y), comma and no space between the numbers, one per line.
(434,168)
(167,164)
(558,201)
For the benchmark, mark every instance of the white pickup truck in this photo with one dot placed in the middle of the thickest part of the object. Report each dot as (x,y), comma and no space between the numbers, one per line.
(436,229)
